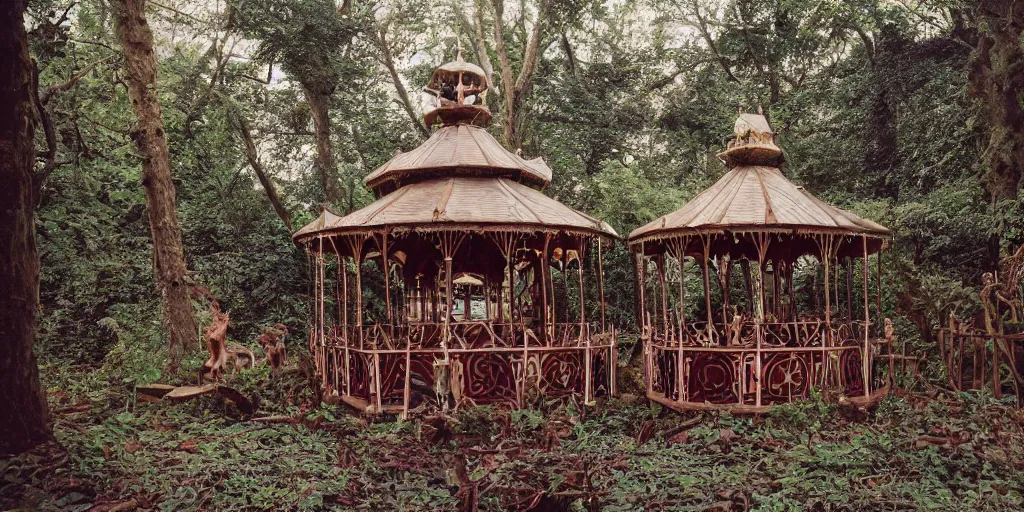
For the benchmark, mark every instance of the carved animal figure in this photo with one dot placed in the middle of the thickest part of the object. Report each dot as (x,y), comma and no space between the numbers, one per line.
(272,341)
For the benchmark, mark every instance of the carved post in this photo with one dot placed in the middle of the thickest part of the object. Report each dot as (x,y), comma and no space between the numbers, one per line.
(584,330)
(346,338)
(545,273)
(359,296)
(659,262)
(408,371)
(867,323)
(600,282)
(641,272)
(387,282)
(680,250)
(706,241)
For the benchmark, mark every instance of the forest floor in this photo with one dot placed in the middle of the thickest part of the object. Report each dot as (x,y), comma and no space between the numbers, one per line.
(949,452)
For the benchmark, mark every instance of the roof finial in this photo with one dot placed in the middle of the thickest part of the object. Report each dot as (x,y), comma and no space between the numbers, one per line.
(760,110)
(458,42)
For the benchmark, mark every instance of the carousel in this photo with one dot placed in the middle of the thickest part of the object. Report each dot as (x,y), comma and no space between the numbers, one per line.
(785,290)
(462,283)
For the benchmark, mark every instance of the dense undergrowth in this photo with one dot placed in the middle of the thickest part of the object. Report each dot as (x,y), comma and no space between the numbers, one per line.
(947,452)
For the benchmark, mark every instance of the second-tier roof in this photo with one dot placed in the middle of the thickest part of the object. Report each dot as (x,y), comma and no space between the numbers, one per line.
(458,150)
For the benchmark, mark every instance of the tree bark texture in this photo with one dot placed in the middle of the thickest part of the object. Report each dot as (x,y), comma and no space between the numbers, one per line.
(319,103)
(403,95)
(997,80)
(252,156)
(517,88)
(24,423)
(168,252)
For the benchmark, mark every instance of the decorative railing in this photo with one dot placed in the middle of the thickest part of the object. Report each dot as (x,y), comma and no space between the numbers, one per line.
(976,359)
(753,365)
(475,334)
(802,333)
(395,367)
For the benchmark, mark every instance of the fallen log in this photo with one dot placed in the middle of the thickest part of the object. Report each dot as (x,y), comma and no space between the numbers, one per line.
(153,390)
(185,393)
(275,419)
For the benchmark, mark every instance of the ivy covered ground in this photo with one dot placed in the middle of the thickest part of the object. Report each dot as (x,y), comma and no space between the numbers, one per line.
(950,452)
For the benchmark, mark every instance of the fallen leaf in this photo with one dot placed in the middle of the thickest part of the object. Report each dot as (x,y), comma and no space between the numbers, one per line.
(680,438)
(189,445)
(645,433)
(727,435)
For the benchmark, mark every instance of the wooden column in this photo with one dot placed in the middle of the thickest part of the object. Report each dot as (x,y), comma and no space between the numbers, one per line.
(724,275)
(659,262)
(387,282)
(705,240)
(320,282)
(776,288)
(359,298)
(584,328)
(449,300)
(762,242)
(878,280)
(545,273)
(849,288)
(345,327)
(680,254)
(793,310)
(600,283)
(510,264)
(641,272)
(867,323)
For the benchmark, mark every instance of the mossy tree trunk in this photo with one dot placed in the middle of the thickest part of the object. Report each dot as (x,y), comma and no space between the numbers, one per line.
(168,253)
(319,107)
(24,422)
(997,80)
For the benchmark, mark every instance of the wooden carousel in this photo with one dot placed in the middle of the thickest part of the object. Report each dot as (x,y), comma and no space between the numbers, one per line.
(793,316)
(485,282)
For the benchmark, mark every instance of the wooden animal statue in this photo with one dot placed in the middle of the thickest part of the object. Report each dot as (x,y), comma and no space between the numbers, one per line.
(272,341)
(222,355)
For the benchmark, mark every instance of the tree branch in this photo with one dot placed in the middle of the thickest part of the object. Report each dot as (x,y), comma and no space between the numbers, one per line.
(47,93)
(532,52)
(48,156)
(702,27)
(480,44)
(403,95)
(507,80)
(252,157)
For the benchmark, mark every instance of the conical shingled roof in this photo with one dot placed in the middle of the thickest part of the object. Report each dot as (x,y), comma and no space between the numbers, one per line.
(461,200)
(326,218)
(462,149)
(756,198)
(461,178)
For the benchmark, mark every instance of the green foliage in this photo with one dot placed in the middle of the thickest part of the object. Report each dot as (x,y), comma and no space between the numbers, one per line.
(629,104)
(806,455)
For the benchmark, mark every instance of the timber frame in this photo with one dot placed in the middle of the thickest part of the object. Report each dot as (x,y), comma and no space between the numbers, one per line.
(421,350)
(804,322)
(492,292)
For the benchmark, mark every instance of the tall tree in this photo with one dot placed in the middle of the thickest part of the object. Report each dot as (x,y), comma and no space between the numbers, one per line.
(253,158)
(997,79)
(312,40)
(516,87)
(388,34)
(168,253)
(25,422)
